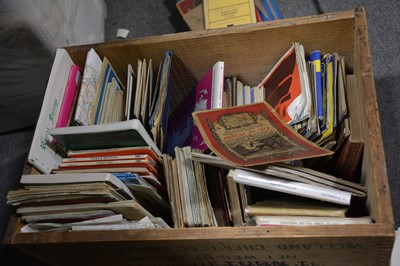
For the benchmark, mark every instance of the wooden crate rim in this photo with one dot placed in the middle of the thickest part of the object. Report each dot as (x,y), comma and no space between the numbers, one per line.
(240,29)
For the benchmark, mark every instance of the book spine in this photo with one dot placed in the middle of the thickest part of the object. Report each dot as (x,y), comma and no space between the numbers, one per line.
(69,96)
(315,58)
(349,159)
(107,158)
(217,85)
(290,187)
(308,221)
(87,94)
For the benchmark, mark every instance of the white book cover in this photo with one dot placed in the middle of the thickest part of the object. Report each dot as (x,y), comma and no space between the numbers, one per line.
(42,154)
(296,188)
(217,85)
(309,220)
(87,94)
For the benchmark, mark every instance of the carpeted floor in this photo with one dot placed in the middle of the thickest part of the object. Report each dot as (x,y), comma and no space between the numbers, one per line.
(155,17)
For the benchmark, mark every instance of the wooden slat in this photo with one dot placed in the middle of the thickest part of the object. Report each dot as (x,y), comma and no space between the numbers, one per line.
(374,166)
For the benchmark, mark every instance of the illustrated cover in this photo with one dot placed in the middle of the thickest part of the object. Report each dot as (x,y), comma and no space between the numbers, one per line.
(253,135)
(87,91)
(286,86)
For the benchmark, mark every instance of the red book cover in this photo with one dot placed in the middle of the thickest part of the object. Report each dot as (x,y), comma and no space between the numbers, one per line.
(114,152)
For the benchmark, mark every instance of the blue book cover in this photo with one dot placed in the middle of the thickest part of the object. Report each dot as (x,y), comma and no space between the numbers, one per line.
(315,59)
(272,9)
(324,95)
(106,77)
(171,119)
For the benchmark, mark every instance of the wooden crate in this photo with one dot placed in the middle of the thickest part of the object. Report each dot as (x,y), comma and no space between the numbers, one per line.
(248,51)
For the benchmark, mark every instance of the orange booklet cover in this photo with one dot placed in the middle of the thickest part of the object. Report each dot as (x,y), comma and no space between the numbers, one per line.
(114,152)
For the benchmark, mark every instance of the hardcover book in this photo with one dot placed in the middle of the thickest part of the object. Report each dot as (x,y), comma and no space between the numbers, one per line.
(129,133)
(43,153)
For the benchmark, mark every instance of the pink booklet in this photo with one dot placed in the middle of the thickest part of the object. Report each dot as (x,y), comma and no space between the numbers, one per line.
(71,91)
(209,95)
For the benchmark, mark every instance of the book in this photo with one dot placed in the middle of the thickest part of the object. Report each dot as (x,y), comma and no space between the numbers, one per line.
(107,73)
(56,194)
(292,187)
(171,122)
(219,13)
(295,206)
(309,221)
(130,93)
(253,135)
(287,87)
(87,93)
(189,197)
(147,93)
(128,133)
(75,178)
(67,217)
(330,79)
(130,209)
(111,164)
(351,153)
(209,95)
(108,158)
(139,170)
(267,10)
(141,72)
(95,153)
(43,153)
(235,202)
(60,227)
(315,59)
(70,93)
(174,196)
(289,172)
(144,223)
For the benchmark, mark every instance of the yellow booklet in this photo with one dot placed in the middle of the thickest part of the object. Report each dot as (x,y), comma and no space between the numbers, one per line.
(222,13)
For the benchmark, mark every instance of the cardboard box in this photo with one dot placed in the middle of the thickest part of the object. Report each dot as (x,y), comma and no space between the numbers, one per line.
(248,51)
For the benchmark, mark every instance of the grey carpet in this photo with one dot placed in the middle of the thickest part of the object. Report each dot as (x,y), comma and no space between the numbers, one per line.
(155,17)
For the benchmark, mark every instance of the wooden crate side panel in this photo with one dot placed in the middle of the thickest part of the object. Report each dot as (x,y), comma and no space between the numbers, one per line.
(374,172)
(321,245)
(278,251)
(249,51)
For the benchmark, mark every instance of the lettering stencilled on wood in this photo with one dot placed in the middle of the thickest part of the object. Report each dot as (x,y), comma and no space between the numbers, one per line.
(323,246)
